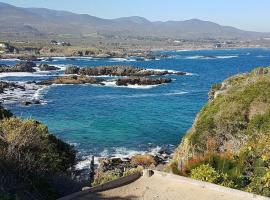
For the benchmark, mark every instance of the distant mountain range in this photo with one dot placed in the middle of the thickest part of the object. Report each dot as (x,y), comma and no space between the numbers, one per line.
(16,22)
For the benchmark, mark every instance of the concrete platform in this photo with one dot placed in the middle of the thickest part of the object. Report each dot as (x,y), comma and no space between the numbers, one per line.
(164,186)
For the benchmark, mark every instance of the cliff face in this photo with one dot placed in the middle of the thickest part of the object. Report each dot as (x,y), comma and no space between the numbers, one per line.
(236,114)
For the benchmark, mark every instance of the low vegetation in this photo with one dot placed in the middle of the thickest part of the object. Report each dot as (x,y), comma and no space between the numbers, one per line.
(229,143)
(29,157)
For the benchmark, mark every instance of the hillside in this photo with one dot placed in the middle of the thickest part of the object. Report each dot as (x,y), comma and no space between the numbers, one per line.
(37,23)
(229,141)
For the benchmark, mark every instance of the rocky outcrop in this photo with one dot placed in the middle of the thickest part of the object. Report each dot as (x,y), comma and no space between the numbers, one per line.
(29,58)
(141,81)
(118,71)
(9,85)
(72,80)
(71,69)
(20,67)
(46,67)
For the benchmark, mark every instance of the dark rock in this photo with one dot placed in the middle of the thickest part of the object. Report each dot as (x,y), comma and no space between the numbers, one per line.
(26,103)
(36,101)
(9,85)
(117,71)
(24,67)
(72,80)
(46,67)
(141,81)
(29,58)
(72,70)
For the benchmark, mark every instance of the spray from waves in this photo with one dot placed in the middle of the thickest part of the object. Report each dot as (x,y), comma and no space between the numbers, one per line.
(119,152)
(30,93)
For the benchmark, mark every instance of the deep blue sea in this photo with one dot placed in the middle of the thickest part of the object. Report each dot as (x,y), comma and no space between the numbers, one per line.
(113,121)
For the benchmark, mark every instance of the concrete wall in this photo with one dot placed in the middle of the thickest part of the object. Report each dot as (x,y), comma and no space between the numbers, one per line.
(210,186)
(106,186)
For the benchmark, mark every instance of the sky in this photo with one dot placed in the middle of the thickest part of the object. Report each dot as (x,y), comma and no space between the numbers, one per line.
(253,15)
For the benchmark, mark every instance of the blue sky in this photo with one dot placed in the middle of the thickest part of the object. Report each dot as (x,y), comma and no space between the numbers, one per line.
(245,14)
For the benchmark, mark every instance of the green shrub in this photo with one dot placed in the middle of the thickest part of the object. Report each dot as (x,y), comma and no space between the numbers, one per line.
(8,197)
(4,113)
(138,169)
(105,177)
(29,144)
(216,86)
(205,173)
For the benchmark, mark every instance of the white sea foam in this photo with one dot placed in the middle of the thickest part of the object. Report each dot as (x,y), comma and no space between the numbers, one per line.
(227,57)
(122,60)
(19,74)
(31,92)
(119,152)
(143,95)
(38,73)
(261,56)
(113,84)
(199,57)
(9,59)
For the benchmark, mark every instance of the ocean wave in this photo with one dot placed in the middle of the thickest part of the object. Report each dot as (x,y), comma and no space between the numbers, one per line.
(20,74)
(119,152)
(9,59)
(227,57)
(38,73)
(143,95)
(202,57)
(261,56)
(32,92)
(113,84)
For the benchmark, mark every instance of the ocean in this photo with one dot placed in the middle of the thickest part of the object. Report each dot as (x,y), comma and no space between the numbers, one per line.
(122,121)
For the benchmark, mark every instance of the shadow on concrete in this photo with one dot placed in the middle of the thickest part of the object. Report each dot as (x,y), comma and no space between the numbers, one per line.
(98,196)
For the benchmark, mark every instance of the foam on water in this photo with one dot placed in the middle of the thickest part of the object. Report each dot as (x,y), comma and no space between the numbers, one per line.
(31,92)
(118,152)
(203,57)
(113,84)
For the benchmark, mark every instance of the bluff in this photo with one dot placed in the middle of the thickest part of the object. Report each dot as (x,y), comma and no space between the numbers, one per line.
(229,139)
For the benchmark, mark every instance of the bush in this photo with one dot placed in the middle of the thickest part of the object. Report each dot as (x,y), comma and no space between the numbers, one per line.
(205,173)
(4,113)
(138,169)
(216,86)
(143,160)
(29,144)
(8,197)
(104,177)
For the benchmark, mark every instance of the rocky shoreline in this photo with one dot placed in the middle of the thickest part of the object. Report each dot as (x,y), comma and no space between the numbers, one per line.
(95,169)
(123,76)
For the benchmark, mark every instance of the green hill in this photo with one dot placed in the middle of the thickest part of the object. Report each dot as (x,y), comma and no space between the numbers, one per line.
(229,143)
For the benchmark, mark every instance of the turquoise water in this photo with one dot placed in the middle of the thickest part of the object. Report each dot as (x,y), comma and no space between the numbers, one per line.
(102,120)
